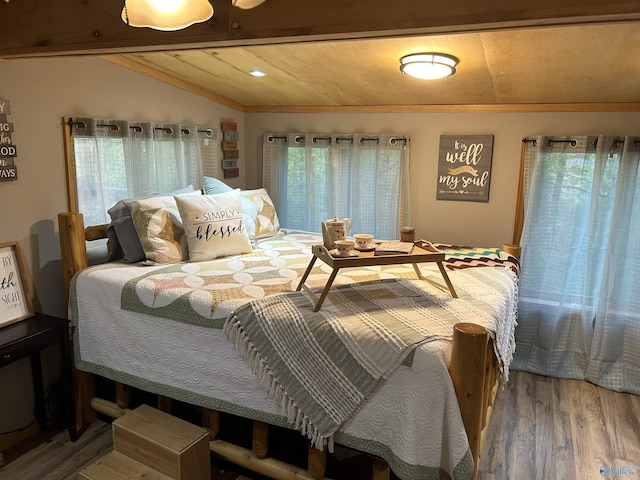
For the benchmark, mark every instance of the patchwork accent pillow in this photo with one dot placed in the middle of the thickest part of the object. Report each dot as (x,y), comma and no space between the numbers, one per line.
(214,225)
(159,227)
(267,223)
(212,186)
(122,234)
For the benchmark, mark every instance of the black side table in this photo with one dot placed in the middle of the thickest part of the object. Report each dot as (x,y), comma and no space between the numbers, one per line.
(28,338)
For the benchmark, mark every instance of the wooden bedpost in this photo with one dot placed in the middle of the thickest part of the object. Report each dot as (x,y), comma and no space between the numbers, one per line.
(512,249)
(73,255)
(467,370)
(73,249)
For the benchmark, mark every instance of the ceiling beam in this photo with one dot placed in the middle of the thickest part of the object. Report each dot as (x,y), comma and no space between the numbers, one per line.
(71,27)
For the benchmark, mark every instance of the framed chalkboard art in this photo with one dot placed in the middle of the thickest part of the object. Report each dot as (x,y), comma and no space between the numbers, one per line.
(464,167)
(15,301)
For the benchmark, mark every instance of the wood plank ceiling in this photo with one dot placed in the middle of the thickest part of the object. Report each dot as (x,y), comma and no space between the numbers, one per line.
(343,55)
(585,65)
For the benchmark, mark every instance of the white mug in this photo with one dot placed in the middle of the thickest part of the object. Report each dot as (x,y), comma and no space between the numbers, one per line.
(344,247)
(363,240)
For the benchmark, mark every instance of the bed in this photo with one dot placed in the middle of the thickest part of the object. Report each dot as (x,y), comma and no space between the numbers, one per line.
(166,329)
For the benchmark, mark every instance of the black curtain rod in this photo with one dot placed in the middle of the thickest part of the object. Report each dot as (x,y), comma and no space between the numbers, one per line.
(137,128)
(551,141)
(299,138)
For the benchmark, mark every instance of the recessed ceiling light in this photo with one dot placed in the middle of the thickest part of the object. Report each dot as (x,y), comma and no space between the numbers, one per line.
(257,73)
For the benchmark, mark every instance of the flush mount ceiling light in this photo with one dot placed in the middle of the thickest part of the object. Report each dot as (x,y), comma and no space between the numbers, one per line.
(428,66)
(166,15)
(257,73)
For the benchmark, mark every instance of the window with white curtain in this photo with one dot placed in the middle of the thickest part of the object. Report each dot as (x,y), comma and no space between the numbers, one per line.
(579,308)
(113,160)
(313,177)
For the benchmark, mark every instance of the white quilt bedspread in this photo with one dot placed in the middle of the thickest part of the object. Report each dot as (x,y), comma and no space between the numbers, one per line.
(412,420)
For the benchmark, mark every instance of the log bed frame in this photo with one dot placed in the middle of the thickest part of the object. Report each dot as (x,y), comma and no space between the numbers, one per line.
(474,372)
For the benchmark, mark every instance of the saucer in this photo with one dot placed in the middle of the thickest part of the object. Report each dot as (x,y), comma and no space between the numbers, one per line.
(368,248)
(334,253)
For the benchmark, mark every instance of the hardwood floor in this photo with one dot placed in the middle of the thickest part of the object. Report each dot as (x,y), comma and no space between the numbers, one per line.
(541,428)
(548,428)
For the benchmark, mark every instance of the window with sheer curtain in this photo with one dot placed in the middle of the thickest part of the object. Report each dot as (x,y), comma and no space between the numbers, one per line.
(113,160)
(579,309)
(313,177)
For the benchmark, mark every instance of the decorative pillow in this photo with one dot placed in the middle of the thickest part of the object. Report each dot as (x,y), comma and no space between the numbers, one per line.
(160,231)
(214,225)
(249,209)
(130,249)
(212,186)
(122,234)
(267,223)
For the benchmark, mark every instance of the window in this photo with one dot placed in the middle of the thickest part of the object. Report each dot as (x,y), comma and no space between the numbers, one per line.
(579,314)
(315,177)
(113,160)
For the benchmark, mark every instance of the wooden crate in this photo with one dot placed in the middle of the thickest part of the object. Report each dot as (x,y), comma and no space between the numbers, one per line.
(166,443)
(116,466)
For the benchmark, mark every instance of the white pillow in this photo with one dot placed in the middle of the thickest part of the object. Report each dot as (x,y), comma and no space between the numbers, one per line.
(249,209)
(214,225)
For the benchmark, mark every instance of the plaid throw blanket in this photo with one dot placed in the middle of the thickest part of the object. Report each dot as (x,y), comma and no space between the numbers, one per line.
(320,366)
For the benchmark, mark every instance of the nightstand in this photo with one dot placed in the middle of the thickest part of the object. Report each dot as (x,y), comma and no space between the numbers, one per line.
(27,338)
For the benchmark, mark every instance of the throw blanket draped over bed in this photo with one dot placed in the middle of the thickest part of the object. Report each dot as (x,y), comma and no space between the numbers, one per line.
(321,366)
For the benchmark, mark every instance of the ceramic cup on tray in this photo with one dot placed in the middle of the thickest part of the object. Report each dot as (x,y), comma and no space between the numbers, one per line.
(344,247)
(363,240)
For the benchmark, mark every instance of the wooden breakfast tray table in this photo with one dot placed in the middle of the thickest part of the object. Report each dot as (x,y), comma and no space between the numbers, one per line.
(368,259)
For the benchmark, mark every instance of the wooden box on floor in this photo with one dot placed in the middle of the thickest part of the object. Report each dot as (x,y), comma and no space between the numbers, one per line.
(166,443)
(115,466)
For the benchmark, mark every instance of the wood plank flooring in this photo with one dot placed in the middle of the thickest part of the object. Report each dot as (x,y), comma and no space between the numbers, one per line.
(541,428)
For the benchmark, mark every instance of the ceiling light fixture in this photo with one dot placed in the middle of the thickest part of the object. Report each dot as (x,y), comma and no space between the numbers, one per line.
(257,73)
(428,66)
(166,15)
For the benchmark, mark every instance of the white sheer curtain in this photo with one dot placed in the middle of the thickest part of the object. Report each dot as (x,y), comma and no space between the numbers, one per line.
(579,311)
(114,160)
(313,177)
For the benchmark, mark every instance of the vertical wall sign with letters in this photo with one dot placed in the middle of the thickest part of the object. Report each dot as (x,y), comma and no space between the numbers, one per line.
(230,153)
(464,167)
(8,151)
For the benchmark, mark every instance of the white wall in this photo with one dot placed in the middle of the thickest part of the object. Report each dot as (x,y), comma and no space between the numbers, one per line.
(471,223)
(41,93)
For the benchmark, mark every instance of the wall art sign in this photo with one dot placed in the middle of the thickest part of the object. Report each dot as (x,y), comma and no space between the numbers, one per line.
(230,152)
(464,167)
(15,301)
(8,151)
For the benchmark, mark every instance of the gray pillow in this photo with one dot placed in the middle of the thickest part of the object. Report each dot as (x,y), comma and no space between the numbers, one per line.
(124,241)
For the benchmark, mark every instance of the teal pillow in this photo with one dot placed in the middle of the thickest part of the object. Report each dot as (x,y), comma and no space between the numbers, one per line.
(213,186)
